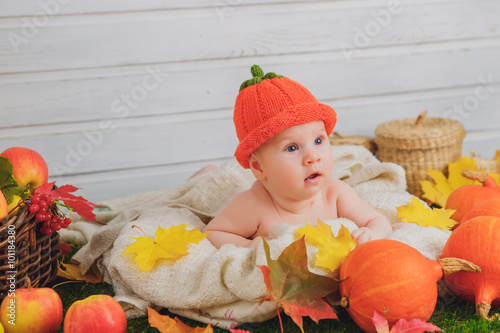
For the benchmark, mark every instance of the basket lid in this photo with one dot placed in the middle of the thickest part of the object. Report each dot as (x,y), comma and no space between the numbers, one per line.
(420,133)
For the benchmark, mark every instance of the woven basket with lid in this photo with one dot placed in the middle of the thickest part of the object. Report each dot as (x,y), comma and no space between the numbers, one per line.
(336,139)
(419,144)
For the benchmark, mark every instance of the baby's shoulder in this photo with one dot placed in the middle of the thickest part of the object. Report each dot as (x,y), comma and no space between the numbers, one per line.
(336,183)
(255,196)
(338,189)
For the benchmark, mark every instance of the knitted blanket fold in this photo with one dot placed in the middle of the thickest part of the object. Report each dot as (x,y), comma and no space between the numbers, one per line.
(220,286)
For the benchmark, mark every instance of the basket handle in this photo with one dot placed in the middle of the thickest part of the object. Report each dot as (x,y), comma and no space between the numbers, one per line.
(420,118)
(473,154)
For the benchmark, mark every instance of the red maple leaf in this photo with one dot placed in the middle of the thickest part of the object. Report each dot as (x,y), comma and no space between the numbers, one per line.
(290,284)
(79,205)
(402,325)
(65,249)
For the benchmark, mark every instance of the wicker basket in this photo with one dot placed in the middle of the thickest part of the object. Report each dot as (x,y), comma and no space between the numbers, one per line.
(35,255)
(336,139)
(420,144)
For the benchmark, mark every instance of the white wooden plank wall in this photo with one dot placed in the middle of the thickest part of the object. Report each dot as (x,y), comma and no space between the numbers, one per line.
(125,96)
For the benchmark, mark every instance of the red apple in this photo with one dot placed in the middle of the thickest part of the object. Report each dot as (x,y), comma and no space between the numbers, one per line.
(34,310)
(97,314)
(4,208)
(28,166)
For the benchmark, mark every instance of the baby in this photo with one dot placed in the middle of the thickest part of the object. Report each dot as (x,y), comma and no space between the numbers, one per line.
(283,133)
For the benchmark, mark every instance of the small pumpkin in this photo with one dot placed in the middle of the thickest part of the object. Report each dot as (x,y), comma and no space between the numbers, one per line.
(464,198)
(477,240)
(394,279)
(484,208)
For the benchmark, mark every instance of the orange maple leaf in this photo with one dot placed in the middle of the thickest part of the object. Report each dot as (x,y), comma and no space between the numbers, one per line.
(165,324)
(290,284)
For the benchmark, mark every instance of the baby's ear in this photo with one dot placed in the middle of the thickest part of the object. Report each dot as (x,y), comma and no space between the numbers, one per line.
(254,163)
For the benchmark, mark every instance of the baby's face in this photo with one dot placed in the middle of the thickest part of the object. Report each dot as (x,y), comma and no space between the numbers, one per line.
(296,162)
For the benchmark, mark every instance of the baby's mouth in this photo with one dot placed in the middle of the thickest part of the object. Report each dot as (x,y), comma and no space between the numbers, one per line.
(313,176)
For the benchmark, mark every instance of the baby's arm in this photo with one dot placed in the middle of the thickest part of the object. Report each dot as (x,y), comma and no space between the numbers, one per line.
(234,224)
(372,224)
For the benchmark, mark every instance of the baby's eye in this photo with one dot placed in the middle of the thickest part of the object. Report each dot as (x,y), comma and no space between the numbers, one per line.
(291,148)
(318,141)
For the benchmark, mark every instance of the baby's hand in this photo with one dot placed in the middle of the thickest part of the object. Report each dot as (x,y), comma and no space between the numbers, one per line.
(363,235)
(255,243)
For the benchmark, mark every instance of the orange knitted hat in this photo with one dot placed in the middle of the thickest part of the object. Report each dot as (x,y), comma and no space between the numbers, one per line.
(268,104)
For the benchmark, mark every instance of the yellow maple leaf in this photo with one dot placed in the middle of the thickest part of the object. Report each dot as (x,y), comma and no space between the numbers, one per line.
(332,250)
(497,159)
(72,272)
(416,212)
(170,243)
(438,191)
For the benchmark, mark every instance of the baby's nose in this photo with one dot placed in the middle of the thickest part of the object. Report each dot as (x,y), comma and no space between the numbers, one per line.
(312,157)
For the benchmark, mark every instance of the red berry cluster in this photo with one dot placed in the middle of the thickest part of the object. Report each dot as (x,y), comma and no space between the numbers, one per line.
(48,213)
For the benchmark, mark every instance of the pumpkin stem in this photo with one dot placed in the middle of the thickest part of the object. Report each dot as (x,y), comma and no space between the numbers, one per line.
(480,176)
(453,265)
(483,308)
(344,302)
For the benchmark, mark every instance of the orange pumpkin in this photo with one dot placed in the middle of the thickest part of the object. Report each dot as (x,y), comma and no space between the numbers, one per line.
(484,208)
(464,198)
(392,278)
(477,240)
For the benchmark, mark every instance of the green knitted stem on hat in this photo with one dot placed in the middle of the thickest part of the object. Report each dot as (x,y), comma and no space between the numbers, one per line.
(258,76)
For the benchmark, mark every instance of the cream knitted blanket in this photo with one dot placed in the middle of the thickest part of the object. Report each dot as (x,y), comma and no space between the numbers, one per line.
(221,286)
